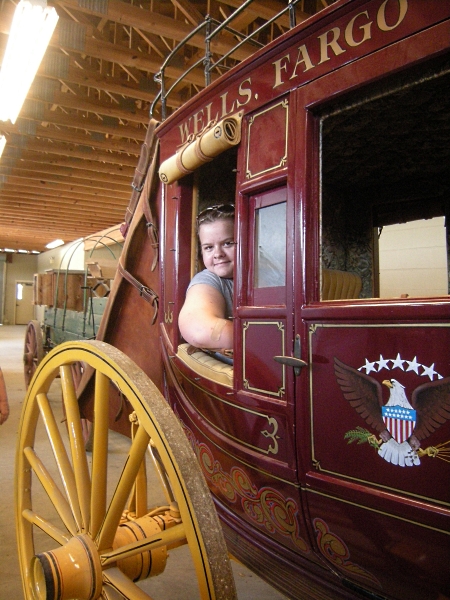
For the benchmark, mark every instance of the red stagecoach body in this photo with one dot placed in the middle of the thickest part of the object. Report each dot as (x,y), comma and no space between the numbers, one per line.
(322,488)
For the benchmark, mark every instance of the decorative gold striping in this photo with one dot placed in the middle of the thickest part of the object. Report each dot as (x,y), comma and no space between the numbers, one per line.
(282,159)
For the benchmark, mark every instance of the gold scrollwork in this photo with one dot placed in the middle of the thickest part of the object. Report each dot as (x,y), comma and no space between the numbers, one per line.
(265,507)
(336,551)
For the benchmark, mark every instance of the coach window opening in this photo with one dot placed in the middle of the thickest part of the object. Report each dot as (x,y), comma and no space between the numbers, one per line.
(384,152)
(214,183)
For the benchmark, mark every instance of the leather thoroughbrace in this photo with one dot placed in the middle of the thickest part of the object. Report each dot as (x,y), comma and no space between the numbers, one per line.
(140,174)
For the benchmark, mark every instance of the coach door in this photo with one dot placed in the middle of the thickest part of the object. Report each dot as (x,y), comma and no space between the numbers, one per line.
(377,384)
(265,324)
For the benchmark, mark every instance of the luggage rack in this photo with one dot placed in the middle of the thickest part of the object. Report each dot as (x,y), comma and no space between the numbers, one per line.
(212,28)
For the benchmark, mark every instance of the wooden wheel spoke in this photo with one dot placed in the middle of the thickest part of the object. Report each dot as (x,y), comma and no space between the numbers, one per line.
(119,582)
(99,452)
(54,532)
(52,490)
(159,468)
(170,537)
(79,458)
(123,489)
(60,454)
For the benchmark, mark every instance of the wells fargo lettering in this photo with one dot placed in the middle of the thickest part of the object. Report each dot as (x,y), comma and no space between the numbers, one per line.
(199,120)
(378,18)
(336,41)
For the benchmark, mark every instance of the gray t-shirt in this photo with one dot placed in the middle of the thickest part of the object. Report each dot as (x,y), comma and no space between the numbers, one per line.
(224,286)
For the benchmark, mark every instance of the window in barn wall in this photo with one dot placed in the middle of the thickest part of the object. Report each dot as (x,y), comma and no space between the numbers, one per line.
(413,259)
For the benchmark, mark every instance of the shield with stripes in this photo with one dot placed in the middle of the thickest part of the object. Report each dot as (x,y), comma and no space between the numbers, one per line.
(399,421)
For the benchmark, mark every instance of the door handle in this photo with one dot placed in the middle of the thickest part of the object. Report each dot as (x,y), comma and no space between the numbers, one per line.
(293,361)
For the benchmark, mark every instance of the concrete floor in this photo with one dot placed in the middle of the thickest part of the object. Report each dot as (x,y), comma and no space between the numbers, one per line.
(249,586)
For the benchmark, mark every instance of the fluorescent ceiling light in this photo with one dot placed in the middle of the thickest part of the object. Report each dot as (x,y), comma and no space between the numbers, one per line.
(2,144)
(54,244)
(31,30)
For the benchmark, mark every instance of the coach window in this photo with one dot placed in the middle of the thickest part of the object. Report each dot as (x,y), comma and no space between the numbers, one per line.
(269,247)
(386,187)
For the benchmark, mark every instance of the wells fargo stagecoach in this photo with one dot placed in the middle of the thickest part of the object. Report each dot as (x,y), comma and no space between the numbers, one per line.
(325,444)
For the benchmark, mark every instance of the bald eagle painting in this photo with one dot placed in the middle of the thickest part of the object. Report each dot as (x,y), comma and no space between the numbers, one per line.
(401,423)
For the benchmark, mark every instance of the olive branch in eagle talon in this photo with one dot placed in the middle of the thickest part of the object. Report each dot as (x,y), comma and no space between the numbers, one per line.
(431,401)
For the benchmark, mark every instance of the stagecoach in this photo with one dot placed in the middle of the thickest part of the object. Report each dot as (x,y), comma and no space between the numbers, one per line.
(323,449)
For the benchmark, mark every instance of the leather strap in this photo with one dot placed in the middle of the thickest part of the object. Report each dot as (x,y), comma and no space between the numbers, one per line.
(145,292)
(147,152)
(152,229)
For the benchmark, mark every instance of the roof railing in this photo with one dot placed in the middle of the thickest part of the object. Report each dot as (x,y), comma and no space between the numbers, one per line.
(212,28)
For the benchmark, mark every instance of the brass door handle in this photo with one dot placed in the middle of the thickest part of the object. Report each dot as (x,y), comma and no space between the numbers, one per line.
(290,361)
(293,361)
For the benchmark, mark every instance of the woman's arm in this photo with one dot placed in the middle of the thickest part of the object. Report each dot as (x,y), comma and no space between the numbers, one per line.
(4,405)
(202,319)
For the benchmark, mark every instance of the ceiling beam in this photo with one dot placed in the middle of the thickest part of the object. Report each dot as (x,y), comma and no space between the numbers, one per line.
(22,142)
(14,166)
(152,22)
(73,121)
(114,187)
(68,166)
(67,135)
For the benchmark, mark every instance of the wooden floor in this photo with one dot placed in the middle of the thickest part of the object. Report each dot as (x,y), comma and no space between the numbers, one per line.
(249,586)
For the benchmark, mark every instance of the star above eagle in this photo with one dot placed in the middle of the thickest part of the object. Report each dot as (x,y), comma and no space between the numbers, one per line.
(430,401)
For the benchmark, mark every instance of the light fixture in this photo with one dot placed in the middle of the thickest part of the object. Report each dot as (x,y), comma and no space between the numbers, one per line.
(2,144)
(54,244)
(31,30)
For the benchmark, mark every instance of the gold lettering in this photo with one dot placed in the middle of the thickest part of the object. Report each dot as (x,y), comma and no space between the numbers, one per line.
(303,53)
(381,15)
(280,66)
(184,130)
(243,91)
(208,113)
(198,122)
(333,44)
(349,38)
(225,111)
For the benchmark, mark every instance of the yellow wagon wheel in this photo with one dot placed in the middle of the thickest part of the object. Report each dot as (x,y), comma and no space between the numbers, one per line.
(104,525)
(33,351)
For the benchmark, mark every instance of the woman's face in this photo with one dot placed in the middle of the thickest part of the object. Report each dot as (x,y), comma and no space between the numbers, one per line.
(218,247)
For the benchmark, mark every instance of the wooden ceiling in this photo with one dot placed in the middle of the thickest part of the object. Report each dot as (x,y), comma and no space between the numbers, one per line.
(70,157)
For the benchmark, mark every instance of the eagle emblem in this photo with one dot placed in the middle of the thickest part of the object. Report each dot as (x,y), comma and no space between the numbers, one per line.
(402,424)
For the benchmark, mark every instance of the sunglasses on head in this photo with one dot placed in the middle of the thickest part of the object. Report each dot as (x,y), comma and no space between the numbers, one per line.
(218,209)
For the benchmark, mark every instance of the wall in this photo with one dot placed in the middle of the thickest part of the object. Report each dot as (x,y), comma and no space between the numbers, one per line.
(413,259)
(21,268)
(70,256)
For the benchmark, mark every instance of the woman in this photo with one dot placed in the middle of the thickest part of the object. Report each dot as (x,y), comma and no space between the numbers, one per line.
(204,320)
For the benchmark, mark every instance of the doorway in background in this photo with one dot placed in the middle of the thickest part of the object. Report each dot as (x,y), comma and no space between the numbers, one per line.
(24,303)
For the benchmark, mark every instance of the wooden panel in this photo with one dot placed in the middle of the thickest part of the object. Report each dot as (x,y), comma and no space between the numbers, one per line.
(274,120)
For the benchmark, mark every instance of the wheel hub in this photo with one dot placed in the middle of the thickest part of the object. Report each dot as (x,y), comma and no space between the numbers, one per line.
(71,571)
